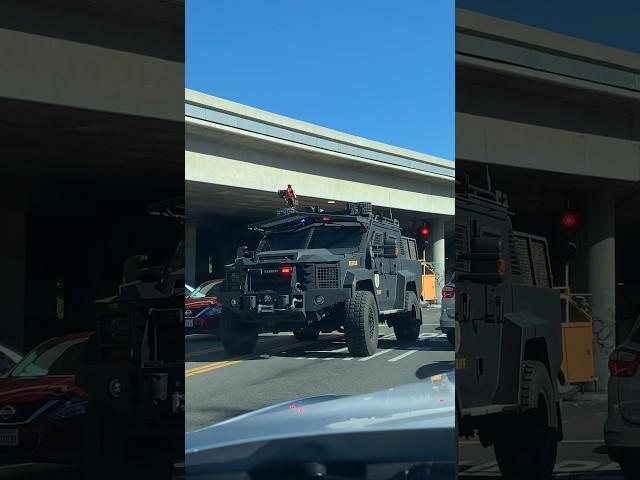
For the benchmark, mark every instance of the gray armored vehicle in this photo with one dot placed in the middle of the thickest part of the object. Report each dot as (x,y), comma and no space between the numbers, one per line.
(135,371)
(316,271)
(508,345)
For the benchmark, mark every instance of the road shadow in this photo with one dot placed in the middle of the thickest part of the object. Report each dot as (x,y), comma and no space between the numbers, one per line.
(434,368)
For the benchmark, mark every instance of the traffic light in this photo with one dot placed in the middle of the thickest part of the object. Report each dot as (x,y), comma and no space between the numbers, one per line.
(424,235)
(568,221)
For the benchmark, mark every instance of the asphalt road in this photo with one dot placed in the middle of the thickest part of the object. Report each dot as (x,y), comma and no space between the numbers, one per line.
(581,455)
(219,387)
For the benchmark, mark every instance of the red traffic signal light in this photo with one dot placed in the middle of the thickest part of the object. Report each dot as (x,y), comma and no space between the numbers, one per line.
(424,231)
(568,219)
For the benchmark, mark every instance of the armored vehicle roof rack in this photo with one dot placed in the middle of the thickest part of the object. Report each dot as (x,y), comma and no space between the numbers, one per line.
(363,209)
(491,195)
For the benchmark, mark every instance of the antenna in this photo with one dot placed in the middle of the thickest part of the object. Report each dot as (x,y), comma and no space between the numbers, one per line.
(488,178)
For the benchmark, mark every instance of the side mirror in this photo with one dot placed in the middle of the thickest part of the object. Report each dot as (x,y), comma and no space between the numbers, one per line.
(487,264)
(390,249)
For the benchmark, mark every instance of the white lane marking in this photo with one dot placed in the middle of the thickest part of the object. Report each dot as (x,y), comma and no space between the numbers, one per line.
(400,357)
(377,354)
(348,358)
(340,350)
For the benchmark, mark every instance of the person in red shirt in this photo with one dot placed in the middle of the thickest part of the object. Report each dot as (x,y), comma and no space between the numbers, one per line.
(290,200)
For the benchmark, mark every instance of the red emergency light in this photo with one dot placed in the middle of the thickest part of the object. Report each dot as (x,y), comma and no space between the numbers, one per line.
(424,231)
(568,220)
(286,270)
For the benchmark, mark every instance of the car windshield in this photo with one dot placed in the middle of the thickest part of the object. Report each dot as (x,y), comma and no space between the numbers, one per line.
(206,290)
(52,359)
(331,237)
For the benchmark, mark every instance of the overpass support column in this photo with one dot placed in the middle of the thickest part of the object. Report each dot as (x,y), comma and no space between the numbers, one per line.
(437,236)
(190,236)
(602,279)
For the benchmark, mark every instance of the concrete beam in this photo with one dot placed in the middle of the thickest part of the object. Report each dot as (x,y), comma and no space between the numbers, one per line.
(92,69)
(510,143)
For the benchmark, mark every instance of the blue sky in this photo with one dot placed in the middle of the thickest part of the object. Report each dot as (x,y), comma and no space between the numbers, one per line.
(611,23)
(378,69)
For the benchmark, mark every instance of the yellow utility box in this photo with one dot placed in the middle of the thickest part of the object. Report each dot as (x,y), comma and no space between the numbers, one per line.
(428,282)
(577,342)
(577,348)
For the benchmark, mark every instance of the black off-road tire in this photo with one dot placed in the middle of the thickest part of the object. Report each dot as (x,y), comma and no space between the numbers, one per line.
(307,334)
(451,337)
(407,326)
(361,324)
(237,339)
(630,467)
(526,446)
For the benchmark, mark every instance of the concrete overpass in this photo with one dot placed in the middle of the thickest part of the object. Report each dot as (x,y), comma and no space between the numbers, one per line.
(237,157)
(91,132)
(558,120)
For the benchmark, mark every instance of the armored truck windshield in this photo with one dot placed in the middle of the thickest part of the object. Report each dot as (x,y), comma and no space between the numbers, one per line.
(331,237)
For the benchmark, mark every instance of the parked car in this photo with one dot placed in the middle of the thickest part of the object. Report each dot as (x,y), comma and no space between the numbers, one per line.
(448,311)
(41,409)
(622,428)
(8,358)
(202,309)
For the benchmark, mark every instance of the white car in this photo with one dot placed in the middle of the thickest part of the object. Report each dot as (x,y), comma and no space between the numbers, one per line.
(448,311)
(622,429)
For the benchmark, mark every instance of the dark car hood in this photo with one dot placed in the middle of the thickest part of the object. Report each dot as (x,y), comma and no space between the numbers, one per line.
(347,428)
(34,389)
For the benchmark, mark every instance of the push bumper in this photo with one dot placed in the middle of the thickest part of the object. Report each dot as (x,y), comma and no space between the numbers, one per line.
(302,307)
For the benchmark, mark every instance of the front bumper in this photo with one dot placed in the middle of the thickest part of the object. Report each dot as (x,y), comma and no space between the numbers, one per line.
(305,306)
(620,436)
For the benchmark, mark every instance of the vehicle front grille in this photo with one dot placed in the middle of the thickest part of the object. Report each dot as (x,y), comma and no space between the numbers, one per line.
(22,411)
(327,276)
(233,280)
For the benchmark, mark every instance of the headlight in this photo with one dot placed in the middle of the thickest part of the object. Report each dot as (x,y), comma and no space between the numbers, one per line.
(71,408)
(114,387)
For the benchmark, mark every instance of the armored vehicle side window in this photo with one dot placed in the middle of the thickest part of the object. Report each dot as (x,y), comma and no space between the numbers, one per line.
(413,249)
(533,257)
(336,237)
(377,239)
(462,247)
(405,246)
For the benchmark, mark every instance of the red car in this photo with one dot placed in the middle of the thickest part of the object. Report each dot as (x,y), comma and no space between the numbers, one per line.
(41,409)
(201,308)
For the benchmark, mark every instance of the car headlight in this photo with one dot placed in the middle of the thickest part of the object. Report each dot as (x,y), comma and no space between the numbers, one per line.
(70,408)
